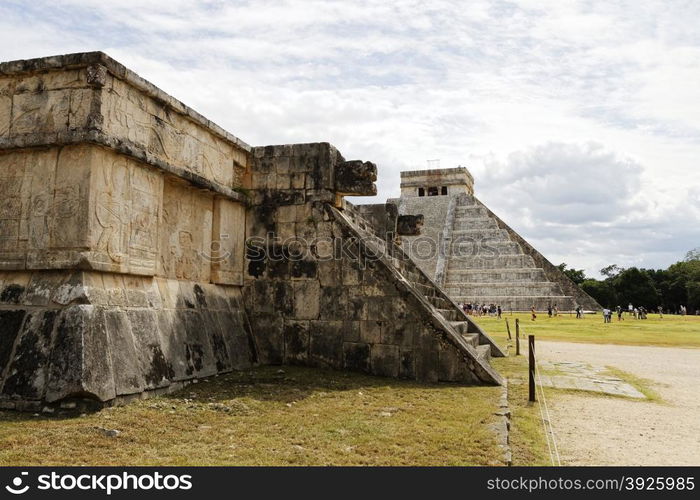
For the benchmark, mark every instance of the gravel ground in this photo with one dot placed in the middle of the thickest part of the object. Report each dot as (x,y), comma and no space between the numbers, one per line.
(593,430)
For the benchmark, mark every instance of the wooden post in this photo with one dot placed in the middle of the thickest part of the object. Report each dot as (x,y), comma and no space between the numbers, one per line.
(508,328)
(531,348)
(517,336)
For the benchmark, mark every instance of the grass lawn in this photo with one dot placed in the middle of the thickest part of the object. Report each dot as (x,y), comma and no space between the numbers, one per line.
(300,417)
(307,416)
(671,331)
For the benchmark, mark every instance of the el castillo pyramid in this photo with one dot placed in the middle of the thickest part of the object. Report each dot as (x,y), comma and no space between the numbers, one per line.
(475,256)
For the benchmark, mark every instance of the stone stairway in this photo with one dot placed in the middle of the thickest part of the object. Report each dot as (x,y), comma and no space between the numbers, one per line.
(487,266)
(441,303)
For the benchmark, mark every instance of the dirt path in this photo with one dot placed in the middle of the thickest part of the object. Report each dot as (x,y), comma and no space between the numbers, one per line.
(593,430)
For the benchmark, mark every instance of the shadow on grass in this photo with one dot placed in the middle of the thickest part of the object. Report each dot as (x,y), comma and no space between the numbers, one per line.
(291,383)
(284,384)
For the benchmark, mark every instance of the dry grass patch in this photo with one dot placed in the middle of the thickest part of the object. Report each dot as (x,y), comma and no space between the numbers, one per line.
(300,417)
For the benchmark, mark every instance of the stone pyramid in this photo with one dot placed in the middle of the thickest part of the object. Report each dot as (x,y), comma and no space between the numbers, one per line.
(473,254)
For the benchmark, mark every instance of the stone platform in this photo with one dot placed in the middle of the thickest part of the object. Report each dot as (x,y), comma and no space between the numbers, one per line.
(143,247)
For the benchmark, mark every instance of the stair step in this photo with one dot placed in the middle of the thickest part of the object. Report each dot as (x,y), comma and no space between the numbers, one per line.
(462,327)
(514,289)
(438,302)
(475,262)
(472,339)
(449,314)
(475,222)
(466,247)
(484,352)
(472,211)
(504,275)
(492,234)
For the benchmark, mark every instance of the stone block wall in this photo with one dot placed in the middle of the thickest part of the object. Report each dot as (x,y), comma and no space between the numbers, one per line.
(319,293)
(106,337)
(122,228)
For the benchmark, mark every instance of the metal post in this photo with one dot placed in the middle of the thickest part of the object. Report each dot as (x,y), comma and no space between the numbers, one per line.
(508,328)
(531,349)
(517,336)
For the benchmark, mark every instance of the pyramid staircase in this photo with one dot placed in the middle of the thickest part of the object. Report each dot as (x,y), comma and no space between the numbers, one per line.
(440,303)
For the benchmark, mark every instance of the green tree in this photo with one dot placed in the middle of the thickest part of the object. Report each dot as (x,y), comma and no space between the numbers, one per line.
(578,276)
(684,278)
(693,288)
(635,286)
(611,271)
(678,285)
(693,254)
(602,291)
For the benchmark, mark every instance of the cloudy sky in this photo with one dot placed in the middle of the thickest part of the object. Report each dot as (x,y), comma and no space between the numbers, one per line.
(580,120)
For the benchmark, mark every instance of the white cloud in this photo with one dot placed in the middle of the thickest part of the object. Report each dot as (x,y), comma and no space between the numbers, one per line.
(591,106)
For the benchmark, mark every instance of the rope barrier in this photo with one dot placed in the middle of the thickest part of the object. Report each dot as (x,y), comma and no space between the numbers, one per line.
(546,433)
(549,418)
(544,412)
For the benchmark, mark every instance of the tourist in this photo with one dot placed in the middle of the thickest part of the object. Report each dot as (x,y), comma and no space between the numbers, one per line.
(579,314)
(556,310)
(499,311)
(630,308)
(606,315)
(549,311)
(619,314)
(661,312)
(636,313)
(534,315)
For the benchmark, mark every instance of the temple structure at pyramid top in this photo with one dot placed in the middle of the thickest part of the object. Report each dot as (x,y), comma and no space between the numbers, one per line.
(436,182)
(473,254)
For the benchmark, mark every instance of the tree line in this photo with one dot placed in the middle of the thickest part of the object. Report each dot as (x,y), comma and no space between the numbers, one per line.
(671,288)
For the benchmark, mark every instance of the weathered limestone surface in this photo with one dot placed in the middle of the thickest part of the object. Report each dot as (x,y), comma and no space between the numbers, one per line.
(121,236)
(385,221)
(328,292)
(142,247)
(104,336)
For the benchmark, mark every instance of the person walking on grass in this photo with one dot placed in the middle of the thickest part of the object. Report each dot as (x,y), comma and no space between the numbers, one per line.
(578,312)
(661,312)
(619,314)
(606,315)
(534,314)
(499,310)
